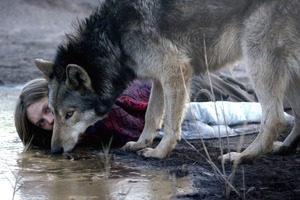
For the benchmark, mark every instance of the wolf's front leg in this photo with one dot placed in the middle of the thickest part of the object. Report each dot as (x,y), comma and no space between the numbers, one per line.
(175,96)
(153,119)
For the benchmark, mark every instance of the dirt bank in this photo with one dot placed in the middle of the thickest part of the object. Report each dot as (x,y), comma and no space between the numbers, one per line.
(32,29)
(268,177)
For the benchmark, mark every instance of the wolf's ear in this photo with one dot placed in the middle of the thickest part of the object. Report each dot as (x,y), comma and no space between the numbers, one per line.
(45,66)
(77,76)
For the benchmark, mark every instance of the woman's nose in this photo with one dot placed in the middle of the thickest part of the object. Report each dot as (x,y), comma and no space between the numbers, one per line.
(49,118)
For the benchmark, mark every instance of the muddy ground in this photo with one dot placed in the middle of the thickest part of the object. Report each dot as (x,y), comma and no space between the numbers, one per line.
(33,28)
(268,177)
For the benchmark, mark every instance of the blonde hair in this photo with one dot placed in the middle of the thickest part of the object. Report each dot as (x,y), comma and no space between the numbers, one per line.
(30,134)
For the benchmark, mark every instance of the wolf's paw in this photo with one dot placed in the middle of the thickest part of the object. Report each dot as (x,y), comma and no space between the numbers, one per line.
(276,147)
(280,149)
(151,153)
(133,146)
(232,157)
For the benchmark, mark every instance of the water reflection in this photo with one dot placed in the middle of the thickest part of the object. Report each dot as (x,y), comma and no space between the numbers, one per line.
(57,177)
(44,176)
(39,175)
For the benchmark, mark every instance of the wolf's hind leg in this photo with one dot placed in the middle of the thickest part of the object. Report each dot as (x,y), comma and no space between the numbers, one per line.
(291,142)
(153,119)
(269,80)
(272,124)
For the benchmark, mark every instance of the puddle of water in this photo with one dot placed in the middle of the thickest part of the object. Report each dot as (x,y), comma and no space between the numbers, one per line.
(10,144)
(39,175)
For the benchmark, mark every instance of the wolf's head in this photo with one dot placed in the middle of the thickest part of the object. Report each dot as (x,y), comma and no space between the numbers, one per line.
(84,82)
(74,103)
(89,72)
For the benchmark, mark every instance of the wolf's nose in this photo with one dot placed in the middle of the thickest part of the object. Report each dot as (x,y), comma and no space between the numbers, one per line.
(57,150)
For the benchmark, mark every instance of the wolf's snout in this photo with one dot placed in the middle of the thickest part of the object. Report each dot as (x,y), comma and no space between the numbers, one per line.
(57,150)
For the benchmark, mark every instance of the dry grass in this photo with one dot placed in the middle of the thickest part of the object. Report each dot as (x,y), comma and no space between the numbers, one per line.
(220,175)
(107,166)
(15,183)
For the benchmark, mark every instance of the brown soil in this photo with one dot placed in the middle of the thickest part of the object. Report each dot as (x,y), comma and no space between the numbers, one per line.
(31,29)
(268,177)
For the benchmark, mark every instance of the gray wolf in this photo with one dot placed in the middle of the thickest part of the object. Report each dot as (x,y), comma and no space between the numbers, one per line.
(169,41)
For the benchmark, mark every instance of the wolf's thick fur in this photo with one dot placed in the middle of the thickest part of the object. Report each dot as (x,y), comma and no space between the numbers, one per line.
(163,40)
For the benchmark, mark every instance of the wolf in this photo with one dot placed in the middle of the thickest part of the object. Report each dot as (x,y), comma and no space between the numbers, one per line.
(169,41)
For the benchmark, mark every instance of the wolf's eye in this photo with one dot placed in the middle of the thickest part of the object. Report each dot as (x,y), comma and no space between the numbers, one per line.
(69,114)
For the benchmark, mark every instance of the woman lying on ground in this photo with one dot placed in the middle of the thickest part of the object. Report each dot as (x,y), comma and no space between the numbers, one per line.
(34,120)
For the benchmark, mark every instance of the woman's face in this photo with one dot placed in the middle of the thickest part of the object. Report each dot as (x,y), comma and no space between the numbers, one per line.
(39,114)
